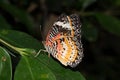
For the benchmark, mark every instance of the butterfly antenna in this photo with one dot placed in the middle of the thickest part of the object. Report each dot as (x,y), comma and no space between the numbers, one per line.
(40,27)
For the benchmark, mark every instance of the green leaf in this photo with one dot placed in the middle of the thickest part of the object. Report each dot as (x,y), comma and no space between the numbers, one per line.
(41,67)
(59,71)
(3,23)
(20,15)
(32,70)
(44,68)
(89,32)
(20,39)
(109,23)
(5,65)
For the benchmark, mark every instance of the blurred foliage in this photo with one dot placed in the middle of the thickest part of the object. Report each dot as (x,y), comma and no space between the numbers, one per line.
(5,65)
(100,29)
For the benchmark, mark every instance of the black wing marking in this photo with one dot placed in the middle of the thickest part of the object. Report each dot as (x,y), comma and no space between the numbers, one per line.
(57,29)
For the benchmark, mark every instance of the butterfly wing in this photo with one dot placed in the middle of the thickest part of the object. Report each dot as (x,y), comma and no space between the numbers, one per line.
(76,24)
(64,40)
(57,27)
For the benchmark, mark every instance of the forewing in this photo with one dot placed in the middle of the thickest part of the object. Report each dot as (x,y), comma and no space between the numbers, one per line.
(60,27)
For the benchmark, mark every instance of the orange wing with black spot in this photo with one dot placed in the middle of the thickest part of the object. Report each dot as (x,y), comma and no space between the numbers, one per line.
(63,41)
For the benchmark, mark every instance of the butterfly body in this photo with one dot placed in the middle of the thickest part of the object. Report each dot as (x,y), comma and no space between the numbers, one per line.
(63,41)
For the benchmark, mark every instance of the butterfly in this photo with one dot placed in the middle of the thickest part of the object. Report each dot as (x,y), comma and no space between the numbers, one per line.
(63,40)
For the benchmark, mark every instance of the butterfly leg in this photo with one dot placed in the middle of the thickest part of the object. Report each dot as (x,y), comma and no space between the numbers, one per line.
(39,52)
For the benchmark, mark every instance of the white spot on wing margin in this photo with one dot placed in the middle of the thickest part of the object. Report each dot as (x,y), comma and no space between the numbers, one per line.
(66,25)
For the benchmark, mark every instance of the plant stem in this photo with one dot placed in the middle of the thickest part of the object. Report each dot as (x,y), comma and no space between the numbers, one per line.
(19,50)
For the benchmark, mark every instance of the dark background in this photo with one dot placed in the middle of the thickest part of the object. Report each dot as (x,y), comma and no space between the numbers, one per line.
(100,29)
